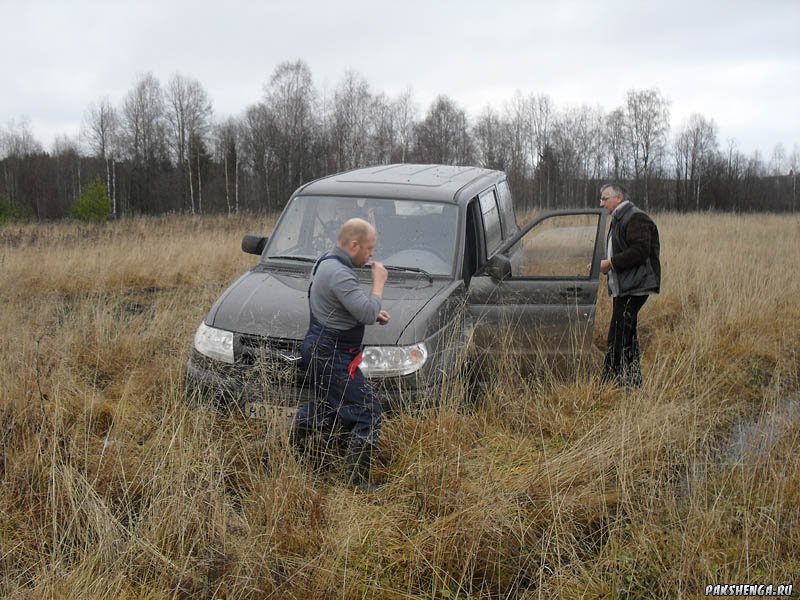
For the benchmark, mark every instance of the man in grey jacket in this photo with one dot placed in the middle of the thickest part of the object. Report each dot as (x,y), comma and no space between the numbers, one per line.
(331,350)
(634,272)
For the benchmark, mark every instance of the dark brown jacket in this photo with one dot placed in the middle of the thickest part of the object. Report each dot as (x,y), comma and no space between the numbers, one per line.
(635,249)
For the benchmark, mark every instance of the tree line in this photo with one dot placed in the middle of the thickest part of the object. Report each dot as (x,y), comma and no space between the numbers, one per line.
(163,150)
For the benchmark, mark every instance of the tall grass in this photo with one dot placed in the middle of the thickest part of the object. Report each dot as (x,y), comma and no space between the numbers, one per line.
(552,486)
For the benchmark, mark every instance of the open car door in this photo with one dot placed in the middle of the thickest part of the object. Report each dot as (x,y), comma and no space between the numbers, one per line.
(535,299)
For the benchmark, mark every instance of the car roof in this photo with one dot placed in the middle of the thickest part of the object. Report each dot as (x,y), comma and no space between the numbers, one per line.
(442,183)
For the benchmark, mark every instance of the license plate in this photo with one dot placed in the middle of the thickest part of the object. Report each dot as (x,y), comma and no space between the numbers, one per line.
(261,411)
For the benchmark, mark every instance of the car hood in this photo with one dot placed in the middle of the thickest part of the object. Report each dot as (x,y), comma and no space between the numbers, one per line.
(274,303)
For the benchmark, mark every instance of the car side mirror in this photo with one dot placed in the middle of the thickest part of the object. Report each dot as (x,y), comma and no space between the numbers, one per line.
(254,244)
(499,267)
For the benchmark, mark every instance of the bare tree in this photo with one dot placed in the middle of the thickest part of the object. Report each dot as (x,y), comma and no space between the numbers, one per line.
(17,139)
(290,99)
(406,111)
(227,136)
(541,115)
(68,168)
(578,143)
(101,132)
(695,149)
(794,164)
(352,119)
(144,139)
(540,118)
(258,141)
(491,140)
(188,116)
(143,120)
(443,136)
(520,168)
(384,142)
(18,147)
(615,140)
(778,162)
(647,119)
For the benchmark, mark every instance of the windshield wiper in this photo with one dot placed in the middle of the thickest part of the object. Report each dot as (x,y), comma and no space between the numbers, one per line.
(300,258)
(412,269)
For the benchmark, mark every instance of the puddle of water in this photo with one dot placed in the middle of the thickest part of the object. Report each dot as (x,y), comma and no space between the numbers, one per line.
(752,439)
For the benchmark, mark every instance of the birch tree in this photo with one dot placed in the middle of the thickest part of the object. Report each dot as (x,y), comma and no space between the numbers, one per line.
(695,148)
(617,147)
(647,125)
(227,136)
(443,136)
(290,99)
(144,139)
(101,133)
(188,116)
(406,111)
(491,140)
(384,139)
(352,104)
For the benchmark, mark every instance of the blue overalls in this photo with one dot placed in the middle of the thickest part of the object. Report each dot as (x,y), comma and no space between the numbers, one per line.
(344,398)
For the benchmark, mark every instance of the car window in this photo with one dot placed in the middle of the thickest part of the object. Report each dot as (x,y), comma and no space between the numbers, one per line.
(414,234)
(507,208)
(560,246)
(491,220)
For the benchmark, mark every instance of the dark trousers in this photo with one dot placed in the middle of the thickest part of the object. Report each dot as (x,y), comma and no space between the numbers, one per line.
(622,362)
(345,401)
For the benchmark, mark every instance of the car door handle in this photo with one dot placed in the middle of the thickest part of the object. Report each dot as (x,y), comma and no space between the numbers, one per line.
(569,293)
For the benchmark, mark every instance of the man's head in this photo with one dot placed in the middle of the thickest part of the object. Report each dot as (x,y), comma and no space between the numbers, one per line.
(358,239)
(611,196)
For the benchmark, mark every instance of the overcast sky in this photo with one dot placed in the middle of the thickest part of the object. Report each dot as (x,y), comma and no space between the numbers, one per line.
(734,61)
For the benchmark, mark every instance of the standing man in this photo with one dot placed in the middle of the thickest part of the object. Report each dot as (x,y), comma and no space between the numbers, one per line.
(634,272)
(331,349)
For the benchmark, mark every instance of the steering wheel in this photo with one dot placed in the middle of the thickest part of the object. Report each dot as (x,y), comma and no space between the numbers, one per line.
(329,228)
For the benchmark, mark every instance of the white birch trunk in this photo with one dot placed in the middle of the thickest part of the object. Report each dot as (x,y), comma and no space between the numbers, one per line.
(227,186)
(114,185)
(191,183)
(199,186)
(236,181)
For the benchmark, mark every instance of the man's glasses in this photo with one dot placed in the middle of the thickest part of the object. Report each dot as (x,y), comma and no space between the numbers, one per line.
(604,198)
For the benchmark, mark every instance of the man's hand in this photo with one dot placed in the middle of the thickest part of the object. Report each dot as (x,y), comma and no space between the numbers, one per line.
(379,277)
(605,266)
(379,273)
(384,317)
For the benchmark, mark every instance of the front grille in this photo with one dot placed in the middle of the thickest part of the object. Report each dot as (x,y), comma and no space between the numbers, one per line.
(272,361)
(252,345)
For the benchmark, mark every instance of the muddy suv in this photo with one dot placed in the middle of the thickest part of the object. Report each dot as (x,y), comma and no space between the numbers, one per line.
(462,276)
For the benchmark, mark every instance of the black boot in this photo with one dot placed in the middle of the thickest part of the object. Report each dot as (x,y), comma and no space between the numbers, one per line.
(359,465)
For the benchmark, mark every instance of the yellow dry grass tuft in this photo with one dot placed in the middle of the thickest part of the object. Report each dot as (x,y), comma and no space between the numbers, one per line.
(550,487)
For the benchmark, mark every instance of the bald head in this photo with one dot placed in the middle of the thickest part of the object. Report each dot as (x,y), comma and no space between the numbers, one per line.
(354,229)
(358,238)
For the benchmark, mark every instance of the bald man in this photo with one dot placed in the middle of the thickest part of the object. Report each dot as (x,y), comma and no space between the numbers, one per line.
(331,350)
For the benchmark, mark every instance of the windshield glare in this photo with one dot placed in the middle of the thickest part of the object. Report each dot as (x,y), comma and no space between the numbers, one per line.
(411,233)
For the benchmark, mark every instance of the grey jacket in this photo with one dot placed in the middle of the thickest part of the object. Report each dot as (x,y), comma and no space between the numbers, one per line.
(337,299)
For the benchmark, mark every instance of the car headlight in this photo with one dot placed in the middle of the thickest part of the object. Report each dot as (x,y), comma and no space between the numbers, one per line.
(392,361)
(214,343)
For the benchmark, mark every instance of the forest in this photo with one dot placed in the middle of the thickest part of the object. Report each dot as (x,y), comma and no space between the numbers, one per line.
(163,150)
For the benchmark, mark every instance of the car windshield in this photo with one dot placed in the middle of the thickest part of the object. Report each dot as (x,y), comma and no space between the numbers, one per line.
(411,233)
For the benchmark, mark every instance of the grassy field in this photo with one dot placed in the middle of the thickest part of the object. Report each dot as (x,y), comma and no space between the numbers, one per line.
(550,488)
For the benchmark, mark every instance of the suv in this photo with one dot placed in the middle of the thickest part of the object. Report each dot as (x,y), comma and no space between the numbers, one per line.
(462,274)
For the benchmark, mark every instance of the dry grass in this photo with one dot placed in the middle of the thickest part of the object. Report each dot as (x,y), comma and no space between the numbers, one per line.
(111,487)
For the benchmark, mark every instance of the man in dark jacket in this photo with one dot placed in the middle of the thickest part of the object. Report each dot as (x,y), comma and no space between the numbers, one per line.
(339,310)
(634,272)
